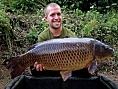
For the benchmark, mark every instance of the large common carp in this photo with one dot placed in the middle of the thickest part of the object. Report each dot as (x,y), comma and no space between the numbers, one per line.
(63,54)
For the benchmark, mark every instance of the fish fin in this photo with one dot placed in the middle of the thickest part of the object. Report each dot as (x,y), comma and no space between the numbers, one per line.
(93,66)
(13,65)
(17,71)
(65,74)
(10,63)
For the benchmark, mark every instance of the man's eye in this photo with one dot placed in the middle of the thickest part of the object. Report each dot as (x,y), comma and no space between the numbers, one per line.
(52,15)
(58,14)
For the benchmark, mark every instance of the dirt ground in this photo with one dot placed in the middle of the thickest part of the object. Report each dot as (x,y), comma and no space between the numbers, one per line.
(4,77)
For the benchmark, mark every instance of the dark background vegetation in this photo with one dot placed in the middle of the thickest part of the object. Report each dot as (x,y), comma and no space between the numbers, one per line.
(22,20)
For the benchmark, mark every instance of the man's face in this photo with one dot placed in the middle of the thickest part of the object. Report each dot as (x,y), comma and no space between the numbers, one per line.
(54,17)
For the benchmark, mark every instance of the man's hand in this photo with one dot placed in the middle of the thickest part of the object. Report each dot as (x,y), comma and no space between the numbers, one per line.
(39,67)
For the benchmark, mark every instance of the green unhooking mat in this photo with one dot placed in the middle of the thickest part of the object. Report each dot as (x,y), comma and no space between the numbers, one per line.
(30,82)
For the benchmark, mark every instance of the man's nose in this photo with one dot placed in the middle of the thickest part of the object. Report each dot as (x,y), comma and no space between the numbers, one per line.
(56,16)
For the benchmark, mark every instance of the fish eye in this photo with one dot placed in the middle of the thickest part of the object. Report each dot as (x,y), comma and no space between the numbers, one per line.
(102,48)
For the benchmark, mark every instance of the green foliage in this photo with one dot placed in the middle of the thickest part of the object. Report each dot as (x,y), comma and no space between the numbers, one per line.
(85,5)
(4,21)
(107,28)
(106,5)
(32,35)
(5,29)
(22,6)
(93,24)
(25,6)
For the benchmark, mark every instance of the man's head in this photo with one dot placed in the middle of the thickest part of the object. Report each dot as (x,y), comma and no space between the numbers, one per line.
(53,15)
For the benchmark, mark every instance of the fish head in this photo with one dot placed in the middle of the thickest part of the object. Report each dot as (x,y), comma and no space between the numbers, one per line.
(103,51)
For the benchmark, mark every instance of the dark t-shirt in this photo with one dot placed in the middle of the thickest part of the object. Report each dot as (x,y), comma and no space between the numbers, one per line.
(47,35)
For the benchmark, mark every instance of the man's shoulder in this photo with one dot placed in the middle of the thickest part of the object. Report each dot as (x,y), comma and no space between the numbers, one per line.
(44,31)
(44,35)
(69,32)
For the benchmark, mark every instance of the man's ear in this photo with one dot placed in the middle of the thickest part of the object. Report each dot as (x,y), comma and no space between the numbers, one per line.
(45,18)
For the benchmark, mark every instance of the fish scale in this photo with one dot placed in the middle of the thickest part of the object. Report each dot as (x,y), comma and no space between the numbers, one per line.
(56,62)
(59,56)
(63,54)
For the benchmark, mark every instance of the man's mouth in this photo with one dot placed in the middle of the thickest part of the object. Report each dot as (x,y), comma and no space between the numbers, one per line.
(56,22)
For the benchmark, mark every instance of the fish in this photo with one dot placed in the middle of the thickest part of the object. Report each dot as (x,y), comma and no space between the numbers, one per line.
(62,54)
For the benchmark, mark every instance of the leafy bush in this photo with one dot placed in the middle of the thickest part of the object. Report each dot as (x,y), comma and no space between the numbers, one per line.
(106,5)
(93,24)
(22,6)
(5,30)
(32,36)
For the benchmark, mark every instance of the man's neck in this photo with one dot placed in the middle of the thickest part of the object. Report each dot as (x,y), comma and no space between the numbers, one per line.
(56,32)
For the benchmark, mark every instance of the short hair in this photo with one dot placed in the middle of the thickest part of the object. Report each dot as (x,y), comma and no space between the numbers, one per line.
(51,5)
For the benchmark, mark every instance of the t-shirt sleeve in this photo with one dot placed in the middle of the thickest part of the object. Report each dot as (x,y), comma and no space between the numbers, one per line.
(71,34)
(42,36)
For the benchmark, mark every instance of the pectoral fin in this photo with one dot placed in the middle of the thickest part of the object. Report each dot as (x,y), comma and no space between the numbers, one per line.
(65,74)
(92,67)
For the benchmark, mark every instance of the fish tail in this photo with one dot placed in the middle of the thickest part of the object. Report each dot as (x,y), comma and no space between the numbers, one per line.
(10,63)
(13,65)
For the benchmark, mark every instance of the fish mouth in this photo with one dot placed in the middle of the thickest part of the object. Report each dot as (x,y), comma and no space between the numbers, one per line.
(112,53)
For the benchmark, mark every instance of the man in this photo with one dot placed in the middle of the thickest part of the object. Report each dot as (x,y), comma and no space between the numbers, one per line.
(53,16)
